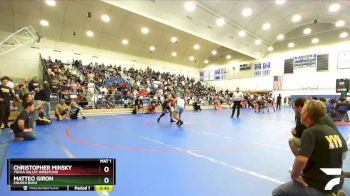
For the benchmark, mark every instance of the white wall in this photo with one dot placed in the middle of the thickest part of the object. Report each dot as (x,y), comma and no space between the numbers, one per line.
(304,81)
(21,63)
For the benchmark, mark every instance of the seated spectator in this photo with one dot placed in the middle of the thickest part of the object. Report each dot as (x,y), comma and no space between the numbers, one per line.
(138,105)
(21,126)
(321,146)
(75,111)
(42,120)
(197,106)
(62,110)
(152,107)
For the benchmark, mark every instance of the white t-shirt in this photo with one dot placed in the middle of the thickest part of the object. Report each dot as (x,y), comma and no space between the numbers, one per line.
(180,103)
(237,96)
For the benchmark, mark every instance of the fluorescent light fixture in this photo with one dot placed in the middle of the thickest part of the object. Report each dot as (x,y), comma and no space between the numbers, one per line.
(247,12)
(145,30)
(280,2)
(220,21)
(291,45)
(191,58)
(307,31)
(206,61)
(152,48)
(280,36)
(334,7)
(196,46)
(258,42)
(89,33)
(173,54)
(190,6)
(340,23)
(228,56)
(125,42)
(241,34)
(296,18)
(315,40)
(44,23)
(266,26)
(50,3)
(105,18)
(214,52)
(270,49)
(174,39)
(343,35)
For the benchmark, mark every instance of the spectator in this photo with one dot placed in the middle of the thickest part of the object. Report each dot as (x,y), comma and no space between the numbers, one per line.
(75,110)
(62,110)
(6,96)
(33,84)
(44,96)
(21,126)
(42,120)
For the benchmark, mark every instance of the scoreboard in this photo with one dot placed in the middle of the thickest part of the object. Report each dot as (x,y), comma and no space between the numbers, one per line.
(61,174)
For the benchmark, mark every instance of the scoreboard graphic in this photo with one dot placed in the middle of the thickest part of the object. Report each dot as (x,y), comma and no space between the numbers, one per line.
(61,174)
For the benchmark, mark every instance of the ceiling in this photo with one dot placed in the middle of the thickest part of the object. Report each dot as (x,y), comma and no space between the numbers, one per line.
(71,16)
(201,21)
(168,18)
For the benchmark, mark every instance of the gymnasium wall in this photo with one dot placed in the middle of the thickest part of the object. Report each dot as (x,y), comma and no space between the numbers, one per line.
(21,63)
(303,81)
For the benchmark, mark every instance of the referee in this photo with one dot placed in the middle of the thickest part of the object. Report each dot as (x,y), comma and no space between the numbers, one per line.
(237,99)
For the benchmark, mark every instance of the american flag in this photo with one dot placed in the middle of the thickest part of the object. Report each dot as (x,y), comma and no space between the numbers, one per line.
(277,82)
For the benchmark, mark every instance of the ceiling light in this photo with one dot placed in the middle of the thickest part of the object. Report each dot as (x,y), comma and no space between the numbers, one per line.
(247,12)
(174,39)
(105,18)
(44,23)
(266,26)
(173,54)
(270,48)
(315,40)
(89,33)
(307,31)
(50,3)
(220,21)
(241,33)
(280,36)
(334,7)
(296,18)
(125,42)
(214,52)
(191,58)
(340,23)
(258,42)
(291,45)
(228,56)
(145,30)
(190,6)
(196,46)
(343,35)
(206,61)
(280,2)
(152,48)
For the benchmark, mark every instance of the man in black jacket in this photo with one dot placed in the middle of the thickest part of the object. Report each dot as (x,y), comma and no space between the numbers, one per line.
(6,96)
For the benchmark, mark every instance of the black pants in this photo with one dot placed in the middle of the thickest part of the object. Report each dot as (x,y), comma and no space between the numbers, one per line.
(4,113)
(278,105)
(236,104)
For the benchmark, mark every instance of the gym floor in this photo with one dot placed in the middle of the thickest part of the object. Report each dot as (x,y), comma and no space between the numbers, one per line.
(211,154)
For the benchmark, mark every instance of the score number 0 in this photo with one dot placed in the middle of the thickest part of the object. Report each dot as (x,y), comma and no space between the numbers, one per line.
(106,179)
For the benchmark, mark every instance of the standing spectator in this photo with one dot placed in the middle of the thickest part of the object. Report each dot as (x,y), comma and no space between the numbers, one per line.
(6,96)
(44,96)
(33,84)
(279,101)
